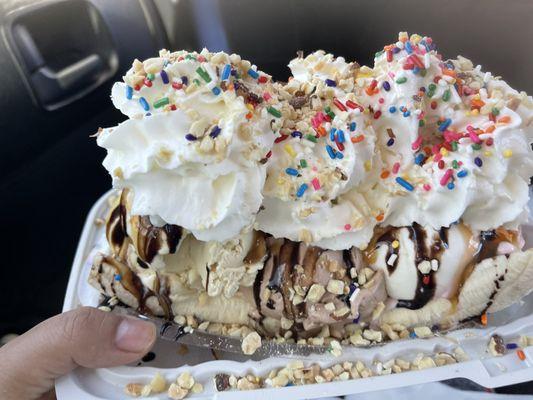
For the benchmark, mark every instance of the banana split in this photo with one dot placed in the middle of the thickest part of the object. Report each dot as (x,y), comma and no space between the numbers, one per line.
(350,203)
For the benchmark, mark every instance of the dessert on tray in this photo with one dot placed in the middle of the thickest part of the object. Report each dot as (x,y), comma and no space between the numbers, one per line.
(350,203)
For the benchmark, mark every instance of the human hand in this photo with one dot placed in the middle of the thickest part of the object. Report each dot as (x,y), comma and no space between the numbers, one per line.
(87,337)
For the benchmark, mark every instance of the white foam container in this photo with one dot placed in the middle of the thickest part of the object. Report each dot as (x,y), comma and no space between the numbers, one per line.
(108,383)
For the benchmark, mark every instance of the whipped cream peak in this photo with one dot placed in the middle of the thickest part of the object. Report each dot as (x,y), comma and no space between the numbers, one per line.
(321,66)
(324,161)
(193,148)
(455,142)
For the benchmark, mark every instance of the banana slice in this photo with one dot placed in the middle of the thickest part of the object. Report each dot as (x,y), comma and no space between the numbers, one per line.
(479,289)
(494,284)
(430,314)
(517,283)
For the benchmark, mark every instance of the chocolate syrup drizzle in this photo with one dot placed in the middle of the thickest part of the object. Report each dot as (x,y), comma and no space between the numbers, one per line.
(443,235)
(347,258)
(150,239)
(115,230)
(257,288)
(116,225)
(489,241)
(425,288)
(423,252)
(488,248)
(289,264)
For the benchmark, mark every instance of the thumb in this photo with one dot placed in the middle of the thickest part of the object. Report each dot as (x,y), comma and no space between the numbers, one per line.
(84,337)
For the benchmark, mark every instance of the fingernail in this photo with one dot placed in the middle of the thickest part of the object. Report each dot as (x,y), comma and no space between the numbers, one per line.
(134,335)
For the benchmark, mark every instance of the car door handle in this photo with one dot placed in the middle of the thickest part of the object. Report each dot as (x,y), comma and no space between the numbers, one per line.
(63,58)
(76,74)
(50,81)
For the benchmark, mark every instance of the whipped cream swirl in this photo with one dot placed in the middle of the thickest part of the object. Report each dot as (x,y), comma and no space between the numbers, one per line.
(199,127)
(455,142)
(323,164)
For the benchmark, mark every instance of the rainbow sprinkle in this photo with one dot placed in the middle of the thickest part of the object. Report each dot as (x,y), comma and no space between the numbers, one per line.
(301,190)
(164,77)
(445,124)
(339,105)
(406,185)
(226,72)
(419,159)
(215,131)
(144,104)
(291,172)
(330,151)
(446,177)
(161,102)
(474,137)
(395,167)
(203,74)
(276,113)
(358,139)
(290,151)
(253,73)
(417,143)
(311,138)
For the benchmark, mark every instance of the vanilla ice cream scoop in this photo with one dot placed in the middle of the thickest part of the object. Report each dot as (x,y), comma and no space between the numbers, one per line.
(192,151)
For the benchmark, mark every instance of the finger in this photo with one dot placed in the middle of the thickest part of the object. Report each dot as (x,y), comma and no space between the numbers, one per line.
(51,395)
(86,337)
